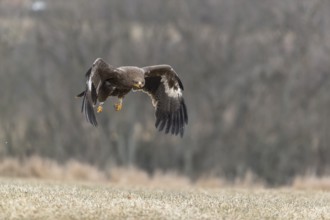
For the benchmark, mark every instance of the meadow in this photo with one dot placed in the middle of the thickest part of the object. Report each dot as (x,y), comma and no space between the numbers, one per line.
(44,199)
(40,188)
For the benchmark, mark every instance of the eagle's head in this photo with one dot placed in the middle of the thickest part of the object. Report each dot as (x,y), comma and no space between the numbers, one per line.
(138,82)
(133,77)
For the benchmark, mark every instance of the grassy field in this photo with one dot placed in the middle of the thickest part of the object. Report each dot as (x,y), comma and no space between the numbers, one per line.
(40,199)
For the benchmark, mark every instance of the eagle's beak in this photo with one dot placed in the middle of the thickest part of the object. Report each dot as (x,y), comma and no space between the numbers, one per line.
(138,85)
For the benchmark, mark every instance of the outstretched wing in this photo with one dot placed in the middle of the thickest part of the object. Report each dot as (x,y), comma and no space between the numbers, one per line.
(165,89)
(97,88)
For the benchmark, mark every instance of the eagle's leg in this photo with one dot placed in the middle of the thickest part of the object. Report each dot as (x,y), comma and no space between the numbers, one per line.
(100,107)
(119,104)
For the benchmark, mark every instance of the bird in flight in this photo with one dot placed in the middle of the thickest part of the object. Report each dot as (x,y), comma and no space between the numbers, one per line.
(160,82)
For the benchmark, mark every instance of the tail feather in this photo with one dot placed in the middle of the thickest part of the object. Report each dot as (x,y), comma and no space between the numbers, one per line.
(80,94)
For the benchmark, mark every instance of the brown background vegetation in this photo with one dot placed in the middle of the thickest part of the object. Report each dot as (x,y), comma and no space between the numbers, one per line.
(256,76)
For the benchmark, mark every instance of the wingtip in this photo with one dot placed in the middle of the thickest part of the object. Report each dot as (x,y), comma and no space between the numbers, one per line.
(88,110)
(181,132)
(173,123)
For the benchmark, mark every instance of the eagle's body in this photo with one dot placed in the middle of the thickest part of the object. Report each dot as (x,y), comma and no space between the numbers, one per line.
(160,82)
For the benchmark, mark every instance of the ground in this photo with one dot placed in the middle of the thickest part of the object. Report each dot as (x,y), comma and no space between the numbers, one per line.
(40,199)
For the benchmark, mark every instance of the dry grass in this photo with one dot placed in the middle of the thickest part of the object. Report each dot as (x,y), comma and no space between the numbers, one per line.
(39,199)
(42,168)
(80,191)
(312,182)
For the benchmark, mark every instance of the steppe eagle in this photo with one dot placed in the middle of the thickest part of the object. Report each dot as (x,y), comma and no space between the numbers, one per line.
(160,82)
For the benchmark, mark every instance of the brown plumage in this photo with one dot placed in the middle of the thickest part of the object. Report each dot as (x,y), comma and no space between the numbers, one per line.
(160,82)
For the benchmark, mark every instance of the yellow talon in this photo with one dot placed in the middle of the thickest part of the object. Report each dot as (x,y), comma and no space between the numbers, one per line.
(99,109)
(118,106)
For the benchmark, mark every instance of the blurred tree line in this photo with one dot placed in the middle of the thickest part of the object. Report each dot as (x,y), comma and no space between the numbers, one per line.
(256,76)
